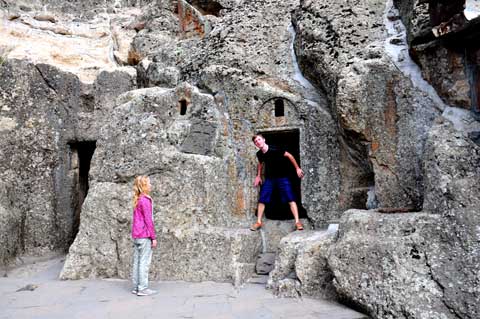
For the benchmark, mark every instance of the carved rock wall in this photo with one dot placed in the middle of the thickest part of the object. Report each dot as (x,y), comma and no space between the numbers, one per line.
(31,119)
(382,117)
(202,95)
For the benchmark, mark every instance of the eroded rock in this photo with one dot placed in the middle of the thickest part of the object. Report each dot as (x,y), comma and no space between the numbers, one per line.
(301,267)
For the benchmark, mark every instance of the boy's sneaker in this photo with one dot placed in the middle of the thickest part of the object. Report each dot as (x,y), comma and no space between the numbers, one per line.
(146,292)
(134,291)
(299,226)
(256,226)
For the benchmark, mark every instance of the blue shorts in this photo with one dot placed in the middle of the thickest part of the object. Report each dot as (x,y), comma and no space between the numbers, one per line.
(283,186)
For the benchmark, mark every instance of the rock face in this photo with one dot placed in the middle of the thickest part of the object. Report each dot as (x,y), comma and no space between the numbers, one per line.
(30,152)
(379,260)
(383,119)
(190,254)
(448,61)
(188,158)
(452,171)
(175,90)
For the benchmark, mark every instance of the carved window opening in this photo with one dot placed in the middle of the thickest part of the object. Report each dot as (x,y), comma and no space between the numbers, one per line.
(279,108)
(81,154)
(183,107)
(288,140)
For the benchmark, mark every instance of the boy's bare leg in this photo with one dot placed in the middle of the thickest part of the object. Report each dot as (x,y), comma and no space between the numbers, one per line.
(260,210)
(294,209)
(258,224)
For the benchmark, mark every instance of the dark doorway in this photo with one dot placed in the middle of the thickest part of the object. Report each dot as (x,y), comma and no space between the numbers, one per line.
(81,156)
(290,141)
(472,67)
(183,107)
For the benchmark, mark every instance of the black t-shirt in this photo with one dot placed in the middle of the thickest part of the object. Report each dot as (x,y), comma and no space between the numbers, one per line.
(276,164)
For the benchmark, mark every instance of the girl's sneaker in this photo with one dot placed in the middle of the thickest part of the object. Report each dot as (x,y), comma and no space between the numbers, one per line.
(146,292)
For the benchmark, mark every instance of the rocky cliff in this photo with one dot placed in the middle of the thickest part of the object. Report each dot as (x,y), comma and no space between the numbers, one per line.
(376,99)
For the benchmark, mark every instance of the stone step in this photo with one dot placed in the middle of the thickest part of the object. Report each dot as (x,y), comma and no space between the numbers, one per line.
(301,265)
(274,230)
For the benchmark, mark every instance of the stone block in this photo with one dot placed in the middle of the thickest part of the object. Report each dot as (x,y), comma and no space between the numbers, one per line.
(301,267)
(273,231)
(265,263)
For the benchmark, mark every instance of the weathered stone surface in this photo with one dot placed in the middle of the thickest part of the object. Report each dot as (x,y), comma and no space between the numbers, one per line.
(416,18)
(433,256)
(444,68)
(109,85)
(301,267)
(273,231)
(83,47)
(245,70)
(86,9)
(452,164)
(380,260)
(452,190)
(146,131)
(157,74)
(29,144)
(383,118)
(265,263)
(192,254)
(208,87)
(447,63)
(102,247)
(10,225)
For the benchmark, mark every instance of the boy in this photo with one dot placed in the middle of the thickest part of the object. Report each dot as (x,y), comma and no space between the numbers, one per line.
(275,161)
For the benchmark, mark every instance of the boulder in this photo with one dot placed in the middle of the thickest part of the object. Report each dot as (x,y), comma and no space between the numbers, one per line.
(452,172)
(380,260)
(301,267)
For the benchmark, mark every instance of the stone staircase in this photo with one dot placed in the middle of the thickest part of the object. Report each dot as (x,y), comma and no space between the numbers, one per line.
(295,261)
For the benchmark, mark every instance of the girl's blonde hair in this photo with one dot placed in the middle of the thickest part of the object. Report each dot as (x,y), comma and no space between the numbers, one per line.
(139,188)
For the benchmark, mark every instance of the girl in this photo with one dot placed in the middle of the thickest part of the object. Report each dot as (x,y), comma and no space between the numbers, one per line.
(143,234)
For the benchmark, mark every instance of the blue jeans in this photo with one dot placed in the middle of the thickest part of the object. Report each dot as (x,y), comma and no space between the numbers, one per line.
(142,256)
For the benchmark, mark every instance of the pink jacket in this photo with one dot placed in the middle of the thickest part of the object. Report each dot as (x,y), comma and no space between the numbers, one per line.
(142,225)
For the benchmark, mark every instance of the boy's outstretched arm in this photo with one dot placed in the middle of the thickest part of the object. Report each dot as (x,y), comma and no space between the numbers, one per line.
(294,162)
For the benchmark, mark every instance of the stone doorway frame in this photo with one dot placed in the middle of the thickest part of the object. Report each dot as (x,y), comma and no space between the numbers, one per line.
(295,136)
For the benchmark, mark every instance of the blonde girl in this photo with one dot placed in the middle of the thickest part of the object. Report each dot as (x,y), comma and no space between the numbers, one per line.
(143,234)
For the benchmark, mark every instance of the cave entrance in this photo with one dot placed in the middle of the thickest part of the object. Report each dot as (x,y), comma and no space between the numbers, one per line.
(81,156)
(290,141)
(472,66)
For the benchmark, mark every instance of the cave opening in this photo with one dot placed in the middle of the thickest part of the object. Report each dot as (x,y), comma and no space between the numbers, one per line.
(183,106)
(207,7)
(80,160)
(289,140)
